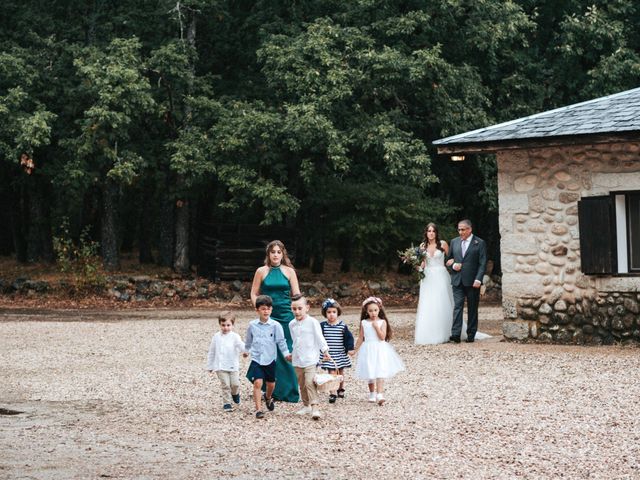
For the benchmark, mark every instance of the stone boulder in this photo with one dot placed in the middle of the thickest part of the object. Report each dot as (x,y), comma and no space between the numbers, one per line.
(515,330)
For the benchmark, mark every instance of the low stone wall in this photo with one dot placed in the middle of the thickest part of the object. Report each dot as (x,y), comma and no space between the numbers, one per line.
(402,291)
(609,318)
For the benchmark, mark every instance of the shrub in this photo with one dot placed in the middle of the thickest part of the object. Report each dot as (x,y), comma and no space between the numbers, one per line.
(79,259)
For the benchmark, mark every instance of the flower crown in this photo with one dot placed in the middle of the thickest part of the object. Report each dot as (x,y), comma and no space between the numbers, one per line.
(329,303)
(372,300)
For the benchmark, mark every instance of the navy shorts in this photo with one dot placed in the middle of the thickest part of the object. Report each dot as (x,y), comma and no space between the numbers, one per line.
(265,372)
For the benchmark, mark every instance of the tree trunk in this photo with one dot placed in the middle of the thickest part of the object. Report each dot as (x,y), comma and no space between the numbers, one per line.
(145,254)
(181,261)
(194,214)
(318,249)
(6,234)
(90,214)
(316,231)
(108,227)
(33,223)
(39,242)
(166,227)
(128,221)
(181,258)
(317,266)
(18,221)
(302,253)
(345,249)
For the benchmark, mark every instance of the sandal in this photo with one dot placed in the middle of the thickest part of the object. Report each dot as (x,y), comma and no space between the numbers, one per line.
(341,393)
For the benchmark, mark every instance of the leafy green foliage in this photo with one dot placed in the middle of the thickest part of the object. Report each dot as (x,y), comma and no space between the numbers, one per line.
(318,115)
(119,94)
(80,260)
(26,122)
(598,49)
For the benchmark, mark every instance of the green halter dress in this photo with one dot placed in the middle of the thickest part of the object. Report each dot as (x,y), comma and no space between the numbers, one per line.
(277,286)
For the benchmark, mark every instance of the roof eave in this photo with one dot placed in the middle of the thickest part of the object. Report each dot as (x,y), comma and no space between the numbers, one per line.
(540,142)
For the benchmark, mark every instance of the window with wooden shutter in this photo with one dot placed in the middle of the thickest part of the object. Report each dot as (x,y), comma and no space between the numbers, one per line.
(596,217)
(633,231)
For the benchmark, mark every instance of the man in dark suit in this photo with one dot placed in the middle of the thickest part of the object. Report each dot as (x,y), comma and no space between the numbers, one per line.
(467,259)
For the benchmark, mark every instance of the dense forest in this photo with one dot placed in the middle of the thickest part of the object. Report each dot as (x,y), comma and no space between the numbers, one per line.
(137,122)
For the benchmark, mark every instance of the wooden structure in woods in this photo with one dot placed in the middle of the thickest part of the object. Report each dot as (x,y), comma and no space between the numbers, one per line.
(569,213)
(234,251)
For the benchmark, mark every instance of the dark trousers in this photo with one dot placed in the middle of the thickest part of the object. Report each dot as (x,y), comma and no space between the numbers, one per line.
(472,295)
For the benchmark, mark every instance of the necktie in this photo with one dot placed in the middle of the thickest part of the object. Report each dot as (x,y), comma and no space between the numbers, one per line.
(464,247)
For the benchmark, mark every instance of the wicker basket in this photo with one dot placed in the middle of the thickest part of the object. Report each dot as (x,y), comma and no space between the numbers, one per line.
(326,382)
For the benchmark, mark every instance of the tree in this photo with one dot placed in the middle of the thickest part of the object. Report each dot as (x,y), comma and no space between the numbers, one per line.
(316,115)
(598,50)
(119,96)
(26,127)
(353,98)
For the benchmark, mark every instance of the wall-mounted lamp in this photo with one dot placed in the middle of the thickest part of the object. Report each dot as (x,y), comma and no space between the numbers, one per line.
(457,158)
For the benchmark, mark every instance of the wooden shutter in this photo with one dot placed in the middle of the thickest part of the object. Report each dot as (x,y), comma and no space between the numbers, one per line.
(596,217)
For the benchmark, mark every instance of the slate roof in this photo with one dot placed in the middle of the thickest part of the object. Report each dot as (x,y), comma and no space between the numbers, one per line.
(613,114)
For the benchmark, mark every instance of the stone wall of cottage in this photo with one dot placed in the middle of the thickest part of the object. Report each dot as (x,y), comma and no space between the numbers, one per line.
(545,295)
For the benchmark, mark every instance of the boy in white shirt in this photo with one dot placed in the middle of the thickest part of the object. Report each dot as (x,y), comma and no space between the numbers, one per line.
(225,347)
(307,342)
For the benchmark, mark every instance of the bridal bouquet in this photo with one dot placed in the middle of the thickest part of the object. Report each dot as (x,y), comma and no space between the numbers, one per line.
(414,257)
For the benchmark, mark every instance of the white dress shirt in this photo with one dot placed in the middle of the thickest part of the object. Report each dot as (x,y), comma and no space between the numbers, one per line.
(308,341)
(465,244)
(224,351)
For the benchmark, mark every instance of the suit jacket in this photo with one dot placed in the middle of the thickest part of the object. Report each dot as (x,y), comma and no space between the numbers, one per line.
(474,263)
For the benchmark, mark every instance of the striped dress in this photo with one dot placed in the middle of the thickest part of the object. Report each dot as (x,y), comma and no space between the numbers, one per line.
(340,340)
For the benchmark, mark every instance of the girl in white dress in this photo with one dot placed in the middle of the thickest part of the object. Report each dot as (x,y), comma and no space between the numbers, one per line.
(377,359)
(435,306)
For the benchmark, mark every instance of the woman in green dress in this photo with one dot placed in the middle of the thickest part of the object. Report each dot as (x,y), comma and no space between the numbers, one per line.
(278,279)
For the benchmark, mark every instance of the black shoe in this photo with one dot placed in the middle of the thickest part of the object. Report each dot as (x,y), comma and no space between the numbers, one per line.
(236,398)
(270,404)
(227,407)
(332,398)
(341,393)
(454,339)
(259,414)
(470,340)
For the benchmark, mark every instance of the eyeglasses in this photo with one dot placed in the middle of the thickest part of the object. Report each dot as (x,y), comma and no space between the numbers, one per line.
(463,229)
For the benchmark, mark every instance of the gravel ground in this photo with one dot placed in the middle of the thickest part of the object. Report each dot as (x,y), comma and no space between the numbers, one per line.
(125,395)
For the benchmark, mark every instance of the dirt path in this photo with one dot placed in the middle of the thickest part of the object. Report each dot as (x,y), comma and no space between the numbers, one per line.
(124,395)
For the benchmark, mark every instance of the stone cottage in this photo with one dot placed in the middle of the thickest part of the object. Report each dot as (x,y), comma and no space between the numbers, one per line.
(569,207)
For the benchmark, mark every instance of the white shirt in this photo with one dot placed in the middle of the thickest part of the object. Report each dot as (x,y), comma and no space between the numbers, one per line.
(224,351)
(307,341)
(465,244)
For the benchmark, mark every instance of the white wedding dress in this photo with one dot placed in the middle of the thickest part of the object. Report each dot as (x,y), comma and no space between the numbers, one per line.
(435,306)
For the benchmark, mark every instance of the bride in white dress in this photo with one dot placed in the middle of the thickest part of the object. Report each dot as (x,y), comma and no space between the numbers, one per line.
(435,305)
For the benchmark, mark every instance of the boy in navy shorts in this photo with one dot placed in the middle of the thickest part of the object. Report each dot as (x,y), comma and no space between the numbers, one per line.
(264,335)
